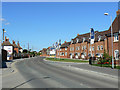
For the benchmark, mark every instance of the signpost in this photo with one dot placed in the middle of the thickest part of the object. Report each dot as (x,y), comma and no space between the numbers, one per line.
(92,38)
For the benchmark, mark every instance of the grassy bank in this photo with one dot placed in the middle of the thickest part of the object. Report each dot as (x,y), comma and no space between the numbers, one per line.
(67,60)
(106,65)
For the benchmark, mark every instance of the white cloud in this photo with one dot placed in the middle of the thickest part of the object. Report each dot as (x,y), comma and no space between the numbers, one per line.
(7,23)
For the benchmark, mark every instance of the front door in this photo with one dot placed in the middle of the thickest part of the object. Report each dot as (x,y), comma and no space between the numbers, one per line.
(71,56)
(116,54)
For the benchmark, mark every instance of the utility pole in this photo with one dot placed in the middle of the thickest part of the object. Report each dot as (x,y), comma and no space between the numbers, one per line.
(28,49)
(3,33)
(28,46)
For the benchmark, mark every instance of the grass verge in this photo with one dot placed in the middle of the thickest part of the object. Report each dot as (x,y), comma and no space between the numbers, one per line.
(67,60)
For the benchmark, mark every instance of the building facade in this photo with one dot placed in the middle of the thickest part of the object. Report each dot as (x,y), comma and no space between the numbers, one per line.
(80,47)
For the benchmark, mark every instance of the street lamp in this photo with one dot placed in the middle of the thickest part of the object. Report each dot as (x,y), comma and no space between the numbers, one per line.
(3,33)
(111,39)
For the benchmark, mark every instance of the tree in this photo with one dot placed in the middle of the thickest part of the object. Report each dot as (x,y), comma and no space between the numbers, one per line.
(25,51)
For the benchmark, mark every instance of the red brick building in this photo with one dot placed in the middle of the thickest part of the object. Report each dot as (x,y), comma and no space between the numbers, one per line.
(44,52)
(15,48)
(8,47)
(80,46)
(64,50)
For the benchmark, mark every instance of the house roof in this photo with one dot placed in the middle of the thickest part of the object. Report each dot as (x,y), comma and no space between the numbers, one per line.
(66,44)
(6,43)
(103,34)
(14,45)
(116,23)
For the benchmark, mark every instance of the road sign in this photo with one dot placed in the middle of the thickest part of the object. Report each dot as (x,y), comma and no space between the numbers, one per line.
(92,35)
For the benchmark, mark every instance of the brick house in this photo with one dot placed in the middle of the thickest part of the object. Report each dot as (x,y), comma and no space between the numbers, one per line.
(44,52)
(116,37)
(80,47)
(6,45)
(63,52)
(15,49)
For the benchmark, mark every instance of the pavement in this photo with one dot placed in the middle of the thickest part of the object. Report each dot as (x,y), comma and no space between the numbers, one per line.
(87,67)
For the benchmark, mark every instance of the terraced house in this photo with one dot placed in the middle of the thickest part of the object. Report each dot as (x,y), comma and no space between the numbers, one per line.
(80,47)
(64,50)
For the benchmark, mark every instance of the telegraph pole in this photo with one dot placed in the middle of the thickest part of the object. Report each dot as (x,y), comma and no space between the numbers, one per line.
(3,33)
(28,49)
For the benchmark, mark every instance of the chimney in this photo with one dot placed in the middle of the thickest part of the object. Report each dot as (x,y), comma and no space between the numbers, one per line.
(13,42)
(118,12)
(7,39)
(78,34)
(65,41)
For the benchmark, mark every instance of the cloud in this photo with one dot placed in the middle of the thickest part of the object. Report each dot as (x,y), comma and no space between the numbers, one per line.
(7,23)
(2,19)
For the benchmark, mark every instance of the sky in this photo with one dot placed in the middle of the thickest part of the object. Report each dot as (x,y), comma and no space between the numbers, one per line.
(41,24)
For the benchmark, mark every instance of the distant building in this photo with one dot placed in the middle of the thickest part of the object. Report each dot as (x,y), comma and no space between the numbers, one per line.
(44,52)
(19,47)
(15,50)
(52,51)
(64,50)
(6,45)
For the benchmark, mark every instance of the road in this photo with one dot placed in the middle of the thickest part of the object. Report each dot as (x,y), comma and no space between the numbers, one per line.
(37,73)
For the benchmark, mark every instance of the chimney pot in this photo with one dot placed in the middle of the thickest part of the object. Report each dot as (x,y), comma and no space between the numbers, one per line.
(13,42)
(7,39)
(78,34)
(118,12)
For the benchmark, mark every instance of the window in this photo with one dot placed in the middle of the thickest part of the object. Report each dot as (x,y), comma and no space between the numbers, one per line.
(101,54)
(65,53)
(60,49)
(116,53)
(58,53)
(90,48)
(71,41)
(93,55)
(78,54)
(116,37)
(97,55)
(77,48)
(65,48)
(99,38)
(98,48)
(83,39)
(84,47)
(72,49)
(101,47)
(62,54)
(93,48)
(89,55)
(77,40)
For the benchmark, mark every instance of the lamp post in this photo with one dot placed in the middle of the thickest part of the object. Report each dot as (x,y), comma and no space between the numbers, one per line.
(3,33)
(111,39)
